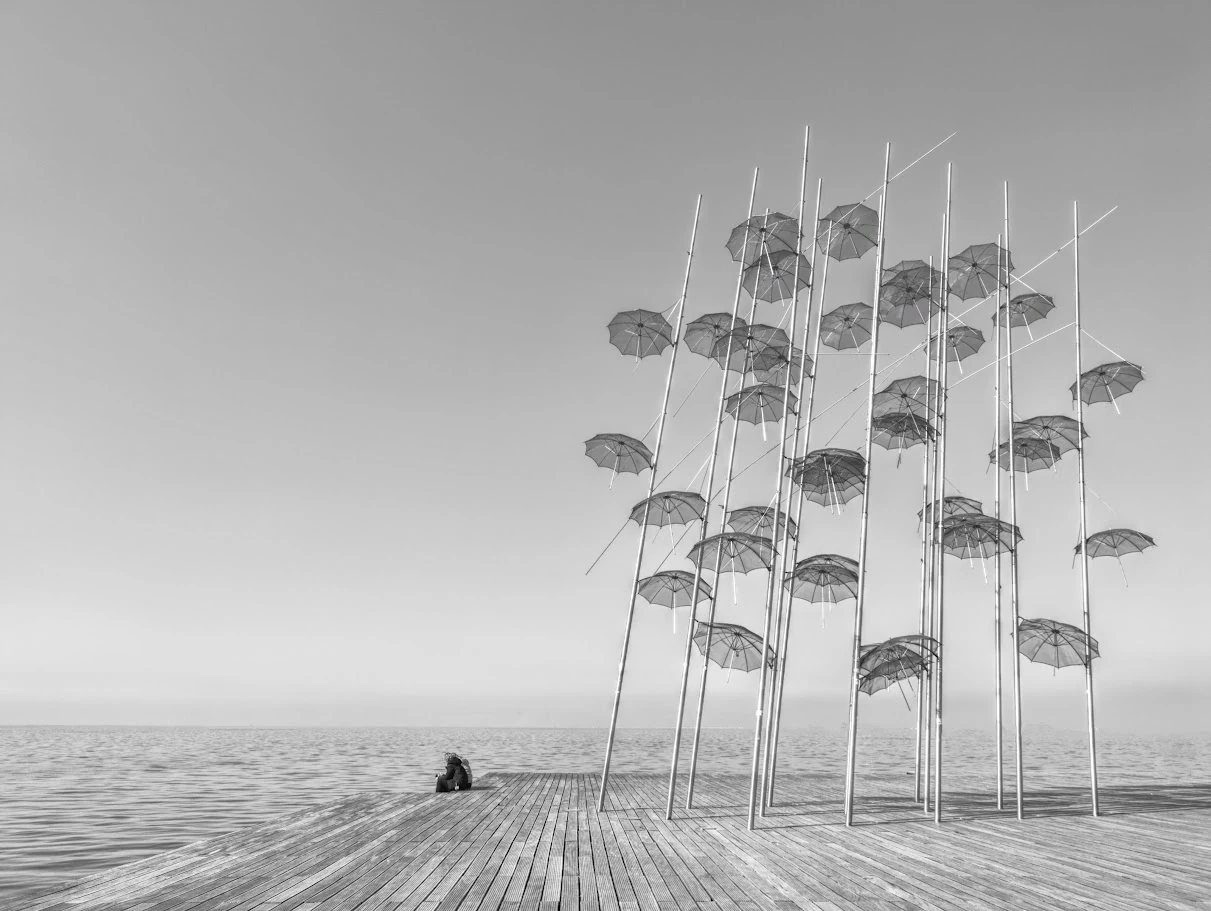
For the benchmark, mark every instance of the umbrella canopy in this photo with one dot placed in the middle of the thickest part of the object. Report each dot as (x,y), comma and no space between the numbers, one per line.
(848,326)
(968,536)
(914,395)
(761,521)
(879,677)
(770,365)
(760,403)
(954,506)
(671,588)
(1107,382)
(1116,542)
(975,272)
(848,231)
(909,293)
(702,333)
(753,347)
(830,477)
(1029,454)
(823,578)
(731,646)
(1024,309)
(961,343)
(619,452)
(762,234)
(772,277)
(1054,643)
(900,430)
(673,507)
(639,333)
(1062,432)
(737,552)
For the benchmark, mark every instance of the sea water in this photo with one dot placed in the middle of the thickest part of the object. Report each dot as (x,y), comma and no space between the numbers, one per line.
(76,800)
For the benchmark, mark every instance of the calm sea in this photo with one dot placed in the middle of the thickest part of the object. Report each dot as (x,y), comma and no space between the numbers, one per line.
(75,800)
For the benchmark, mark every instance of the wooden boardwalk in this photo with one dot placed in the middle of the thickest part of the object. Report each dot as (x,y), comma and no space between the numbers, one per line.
(521,841)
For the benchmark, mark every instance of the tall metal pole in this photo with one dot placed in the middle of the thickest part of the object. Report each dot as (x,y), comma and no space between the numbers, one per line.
(727,494)
(870,407)
(940,490)
(936,499)
(996,511)
(926,461)
(803,422)
(643,526)
(1080,470)
(1013,520)
(773,599)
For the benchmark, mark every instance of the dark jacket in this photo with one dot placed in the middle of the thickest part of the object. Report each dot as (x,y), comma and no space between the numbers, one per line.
(456,775)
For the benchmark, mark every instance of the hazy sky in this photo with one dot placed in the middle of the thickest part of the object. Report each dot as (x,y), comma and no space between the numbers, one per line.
(303,326)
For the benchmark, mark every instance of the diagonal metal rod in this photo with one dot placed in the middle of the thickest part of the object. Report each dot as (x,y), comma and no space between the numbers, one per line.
(803,422)
(643,526)
(727,493)
(1080,470)
(852,749)
(940,489)
(773,598)
(1014,607)
(1002,300)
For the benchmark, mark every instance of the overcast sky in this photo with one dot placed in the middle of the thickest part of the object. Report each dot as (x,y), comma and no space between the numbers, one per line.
(302,326)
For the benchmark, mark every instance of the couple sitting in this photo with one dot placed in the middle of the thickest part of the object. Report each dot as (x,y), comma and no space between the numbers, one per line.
(457,777)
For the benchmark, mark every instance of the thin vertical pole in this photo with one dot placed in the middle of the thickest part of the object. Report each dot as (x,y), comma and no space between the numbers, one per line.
(1014,608)
(727,494)
(1080,470)
(689,638)
(926,524)
(773,599)
(643,526)
(996,511)
(852,750)
(940,490)
(937,500)
(803,421)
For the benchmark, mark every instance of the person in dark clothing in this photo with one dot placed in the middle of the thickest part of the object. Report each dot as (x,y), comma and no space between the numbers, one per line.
(455,777)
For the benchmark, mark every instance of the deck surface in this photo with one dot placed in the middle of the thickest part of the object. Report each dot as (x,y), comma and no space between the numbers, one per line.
(536,841)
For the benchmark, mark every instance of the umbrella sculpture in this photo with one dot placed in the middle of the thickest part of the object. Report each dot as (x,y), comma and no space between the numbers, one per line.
(823,579)
(830,477)
(673,507)
(954,505)
(1029,454)
(761,235)
(975,271)
(773,277)
(895,660)
(968,536)
(848,326)
(1114,543)
(910,293)
(760,520)
(759,404)
(900,431)
(1062,432)
(1024,310)
(961,343)
(1107,382)
(731,646)
(702,334)
(640,333)
(752,347)
(739,552)
(771,364)
(1054,643)
(912,395)
(671,588)
(847,232)
(618,452)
